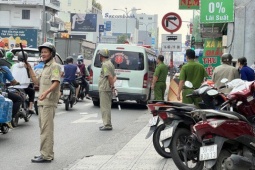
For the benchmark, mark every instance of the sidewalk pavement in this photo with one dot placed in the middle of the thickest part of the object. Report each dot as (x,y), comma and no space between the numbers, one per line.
(137,154)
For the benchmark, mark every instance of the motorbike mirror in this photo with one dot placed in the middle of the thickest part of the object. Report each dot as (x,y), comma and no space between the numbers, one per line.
(212,92)
(224,80)
(188,84)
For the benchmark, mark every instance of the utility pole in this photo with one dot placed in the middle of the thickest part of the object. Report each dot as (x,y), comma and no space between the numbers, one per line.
(43,24)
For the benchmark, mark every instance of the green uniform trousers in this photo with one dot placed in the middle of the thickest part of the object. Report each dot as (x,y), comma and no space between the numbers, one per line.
(159,90)
(105,107)
(46,124)
(190,100)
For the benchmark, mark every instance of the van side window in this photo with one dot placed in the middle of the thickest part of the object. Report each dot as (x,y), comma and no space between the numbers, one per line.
(152,62)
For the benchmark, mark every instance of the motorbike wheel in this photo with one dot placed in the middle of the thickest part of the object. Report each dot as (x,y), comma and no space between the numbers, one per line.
(36,107)
(67,104)
(158,145)
(220,163)
(183,158)
(26,118)
(15,120)
(96,103)
(4,129)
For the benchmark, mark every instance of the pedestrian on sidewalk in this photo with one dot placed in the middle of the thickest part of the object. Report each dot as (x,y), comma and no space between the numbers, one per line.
(225,70)
(159,79)
(246,73)
(49,83)
(106,88)
(193,72)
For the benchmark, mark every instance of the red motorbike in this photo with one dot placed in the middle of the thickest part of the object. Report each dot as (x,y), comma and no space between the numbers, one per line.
(228,138)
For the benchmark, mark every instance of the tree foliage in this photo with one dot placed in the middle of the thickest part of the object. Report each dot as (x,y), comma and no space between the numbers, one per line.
(121,39)
(97,5)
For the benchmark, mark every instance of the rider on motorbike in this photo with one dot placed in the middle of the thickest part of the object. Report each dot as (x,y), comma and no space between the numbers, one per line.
(5,74)
(20,74)
(70,72)
(84,74)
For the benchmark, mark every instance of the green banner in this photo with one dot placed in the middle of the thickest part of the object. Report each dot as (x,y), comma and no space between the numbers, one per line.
(188,4)
(212,54)
(216,11)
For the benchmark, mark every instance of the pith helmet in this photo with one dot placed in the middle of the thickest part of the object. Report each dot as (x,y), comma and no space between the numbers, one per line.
(104,52)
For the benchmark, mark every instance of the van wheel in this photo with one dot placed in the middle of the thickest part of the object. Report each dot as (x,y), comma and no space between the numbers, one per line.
(96,103)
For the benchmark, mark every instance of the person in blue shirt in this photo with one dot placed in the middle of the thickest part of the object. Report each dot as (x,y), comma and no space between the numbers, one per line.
(5,74)
(70,72)
(246,73)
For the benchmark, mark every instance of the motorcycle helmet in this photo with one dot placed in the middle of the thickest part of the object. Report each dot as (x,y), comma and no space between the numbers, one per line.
(21,57)
(226,58)
(9,55)
(80,58)
(69,59)
(50,46)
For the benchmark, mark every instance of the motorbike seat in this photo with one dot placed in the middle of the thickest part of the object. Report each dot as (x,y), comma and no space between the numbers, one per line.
(184,108)
(241,117)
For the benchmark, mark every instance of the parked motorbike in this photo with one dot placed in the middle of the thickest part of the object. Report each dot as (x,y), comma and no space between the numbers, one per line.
(228,140)
(68,95)
(175,117)
(23,112)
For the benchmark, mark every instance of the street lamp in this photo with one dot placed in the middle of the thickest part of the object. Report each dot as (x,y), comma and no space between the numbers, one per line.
(141,23)
(127,12)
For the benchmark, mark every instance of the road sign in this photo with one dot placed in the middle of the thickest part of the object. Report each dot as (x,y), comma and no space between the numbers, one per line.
(216,11)
(101,28)
(171,22)
(171,46)
(171,38)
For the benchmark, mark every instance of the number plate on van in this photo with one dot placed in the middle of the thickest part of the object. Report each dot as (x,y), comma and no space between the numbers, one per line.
(118,83)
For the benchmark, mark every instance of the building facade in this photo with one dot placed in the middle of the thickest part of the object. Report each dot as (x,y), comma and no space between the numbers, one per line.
(139,29)
(21,22)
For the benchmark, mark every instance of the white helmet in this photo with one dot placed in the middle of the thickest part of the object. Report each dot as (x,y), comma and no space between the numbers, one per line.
(80,58)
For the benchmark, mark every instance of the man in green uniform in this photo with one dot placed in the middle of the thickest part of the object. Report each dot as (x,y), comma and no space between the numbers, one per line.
(193,72)
(49,83)
(106,87)
(159,79)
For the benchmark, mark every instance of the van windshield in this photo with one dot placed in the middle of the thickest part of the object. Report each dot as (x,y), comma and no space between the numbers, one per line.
(127,60)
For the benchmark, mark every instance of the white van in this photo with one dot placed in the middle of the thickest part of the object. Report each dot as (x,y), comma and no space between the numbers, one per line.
(134,68)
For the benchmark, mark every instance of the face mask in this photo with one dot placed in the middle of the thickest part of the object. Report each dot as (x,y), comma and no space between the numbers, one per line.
(21,64)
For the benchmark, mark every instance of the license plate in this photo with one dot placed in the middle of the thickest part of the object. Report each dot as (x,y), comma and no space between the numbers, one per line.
(153,121)
(166,133)
(66,92)
(118,83)
(36,94)
(208,152)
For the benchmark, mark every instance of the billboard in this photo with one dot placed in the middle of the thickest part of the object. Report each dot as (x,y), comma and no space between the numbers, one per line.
(211,54)
(83,22)
(12,37)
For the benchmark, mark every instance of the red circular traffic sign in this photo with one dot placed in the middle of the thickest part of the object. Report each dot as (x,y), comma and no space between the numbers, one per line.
(171,22)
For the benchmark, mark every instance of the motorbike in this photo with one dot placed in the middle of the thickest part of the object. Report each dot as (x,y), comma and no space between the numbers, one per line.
(80,80)
(68,95)
(5,113)
(23,112)
(176,119)
(228,139)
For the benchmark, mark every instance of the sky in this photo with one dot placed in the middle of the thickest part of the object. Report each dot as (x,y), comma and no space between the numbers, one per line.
(160,7)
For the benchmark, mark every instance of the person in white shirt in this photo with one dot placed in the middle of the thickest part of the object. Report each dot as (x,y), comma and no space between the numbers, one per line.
(20,74)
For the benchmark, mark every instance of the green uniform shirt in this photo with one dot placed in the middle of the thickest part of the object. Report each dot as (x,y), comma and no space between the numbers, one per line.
(51,72)
(193,72)
(106,70)
(161,72)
